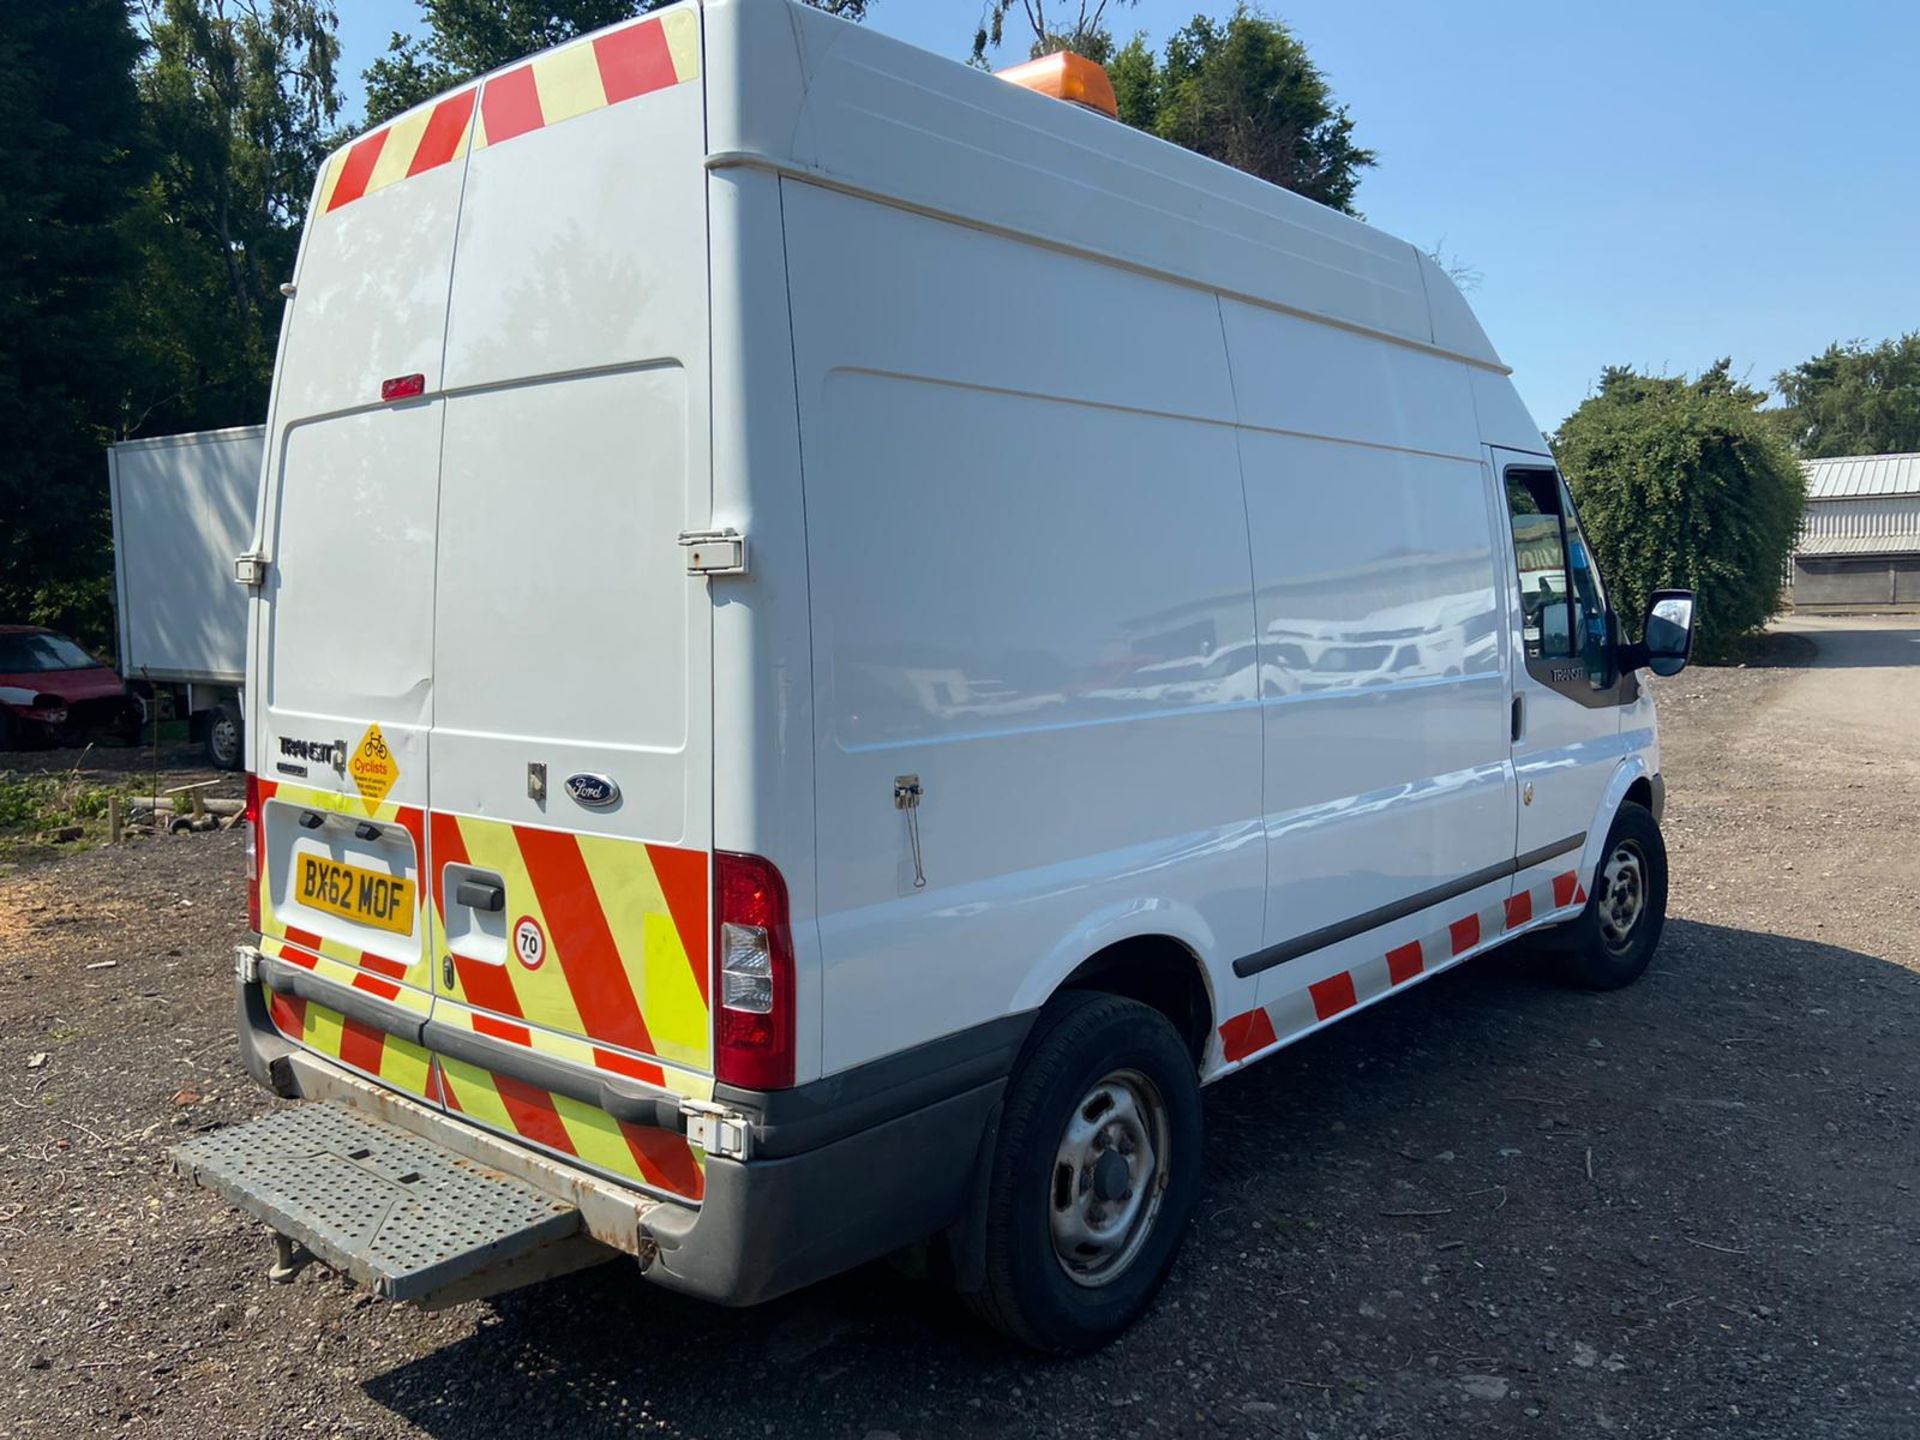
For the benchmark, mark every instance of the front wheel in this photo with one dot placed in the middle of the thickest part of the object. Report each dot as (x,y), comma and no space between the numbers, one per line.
(1612,941)
(1094,1177)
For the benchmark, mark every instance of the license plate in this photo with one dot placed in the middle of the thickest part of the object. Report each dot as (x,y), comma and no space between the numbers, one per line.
(368,896)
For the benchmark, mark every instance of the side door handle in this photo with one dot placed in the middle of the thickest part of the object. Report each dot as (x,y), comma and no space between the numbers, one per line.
(481,895)
(1519,719)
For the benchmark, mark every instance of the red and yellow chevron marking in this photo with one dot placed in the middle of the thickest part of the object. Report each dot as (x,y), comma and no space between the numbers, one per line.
(623,986)
(576,79)
(640,1154)
(389,1059)
(409,982)
(423,139)
(643,1154)
(589,75)
(1291,1015)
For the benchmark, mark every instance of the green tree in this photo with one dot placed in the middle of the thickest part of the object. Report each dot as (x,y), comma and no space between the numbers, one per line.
(242,101)
(1686,483)
(70,172)
(465,38)
(1245,92)
(1856,399)
(1076,25)
(1136,84)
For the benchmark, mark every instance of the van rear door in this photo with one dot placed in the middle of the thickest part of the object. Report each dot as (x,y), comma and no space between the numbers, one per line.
(343,693)
(571,651)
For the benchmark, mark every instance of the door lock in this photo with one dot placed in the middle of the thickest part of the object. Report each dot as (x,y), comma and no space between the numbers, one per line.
(446,970)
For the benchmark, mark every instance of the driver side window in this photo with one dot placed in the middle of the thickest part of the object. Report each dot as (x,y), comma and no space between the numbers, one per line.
(1540,553)
(1563,609)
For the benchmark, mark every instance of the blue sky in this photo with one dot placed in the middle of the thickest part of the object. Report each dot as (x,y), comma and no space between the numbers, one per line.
(1653,184)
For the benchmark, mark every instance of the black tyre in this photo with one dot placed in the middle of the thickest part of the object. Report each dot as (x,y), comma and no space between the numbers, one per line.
(1095,1173)
(1613,940)
(225,748)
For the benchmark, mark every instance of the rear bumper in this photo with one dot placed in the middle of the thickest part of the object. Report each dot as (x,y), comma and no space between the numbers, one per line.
(764,1227)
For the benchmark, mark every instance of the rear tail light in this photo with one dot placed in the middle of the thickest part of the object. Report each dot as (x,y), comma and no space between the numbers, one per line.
(250,823)
(753,945)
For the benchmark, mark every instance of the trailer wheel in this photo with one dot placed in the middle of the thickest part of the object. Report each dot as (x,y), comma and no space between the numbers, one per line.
(224,749)
(1612,941)
(1095,1173)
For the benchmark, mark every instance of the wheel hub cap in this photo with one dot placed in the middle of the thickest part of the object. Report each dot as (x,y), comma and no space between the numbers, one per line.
(1112,1178)
(1623,894)
(1108,1176)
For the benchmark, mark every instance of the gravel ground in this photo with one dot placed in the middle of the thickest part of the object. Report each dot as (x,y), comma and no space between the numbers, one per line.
(1685,1209)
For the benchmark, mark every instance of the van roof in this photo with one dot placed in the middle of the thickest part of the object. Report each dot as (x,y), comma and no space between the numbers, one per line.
(804,93)
(801,91)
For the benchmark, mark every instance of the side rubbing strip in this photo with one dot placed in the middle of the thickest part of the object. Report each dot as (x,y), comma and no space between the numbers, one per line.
(1398,910)
(1549,852)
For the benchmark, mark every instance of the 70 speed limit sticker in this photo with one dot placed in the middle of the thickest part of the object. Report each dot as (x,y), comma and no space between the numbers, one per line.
(529,942)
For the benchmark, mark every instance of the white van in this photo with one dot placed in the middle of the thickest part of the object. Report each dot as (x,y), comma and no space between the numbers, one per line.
(774,728)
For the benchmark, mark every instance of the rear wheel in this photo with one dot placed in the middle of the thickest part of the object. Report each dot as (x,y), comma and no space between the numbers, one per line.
(223,745)
(1612,941)
(1094,1174)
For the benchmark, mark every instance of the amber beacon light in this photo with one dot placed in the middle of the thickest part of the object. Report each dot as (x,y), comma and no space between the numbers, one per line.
(1067,76)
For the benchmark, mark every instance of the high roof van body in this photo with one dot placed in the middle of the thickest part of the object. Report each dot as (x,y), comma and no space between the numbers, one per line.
(832,637)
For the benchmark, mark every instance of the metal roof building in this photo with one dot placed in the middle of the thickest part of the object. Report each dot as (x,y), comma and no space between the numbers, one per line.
(1860,547)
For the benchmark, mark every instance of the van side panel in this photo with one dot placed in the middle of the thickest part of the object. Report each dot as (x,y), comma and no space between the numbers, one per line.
(1031,589)
(1383,685)
(1503,418)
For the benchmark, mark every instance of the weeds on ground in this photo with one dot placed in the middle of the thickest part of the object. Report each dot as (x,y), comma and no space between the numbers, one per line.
(37,808)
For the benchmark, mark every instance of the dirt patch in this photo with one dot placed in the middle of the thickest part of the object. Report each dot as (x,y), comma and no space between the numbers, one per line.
(1494,1205)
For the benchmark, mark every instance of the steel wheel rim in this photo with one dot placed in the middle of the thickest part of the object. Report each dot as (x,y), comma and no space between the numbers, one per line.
(1109,1177)
(226,738)
(1623,894)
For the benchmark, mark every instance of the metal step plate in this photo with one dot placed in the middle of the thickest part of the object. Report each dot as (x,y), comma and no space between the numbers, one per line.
(396,1212)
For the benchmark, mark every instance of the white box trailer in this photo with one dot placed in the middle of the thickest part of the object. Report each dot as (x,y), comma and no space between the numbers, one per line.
(183,509)
(833,637)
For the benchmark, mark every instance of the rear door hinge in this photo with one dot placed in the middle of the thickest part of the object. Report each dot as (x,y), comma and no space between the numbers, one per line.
(715,552)
(718,1130)
(250,569)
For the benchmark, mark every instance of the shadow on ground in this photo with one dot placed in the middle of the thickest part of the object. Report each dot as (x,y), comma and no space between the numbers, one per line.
(1494,1201)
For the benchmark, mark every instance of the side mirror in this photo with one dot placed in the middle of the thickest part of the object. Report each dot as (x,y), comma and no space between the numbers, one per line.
(1668,645)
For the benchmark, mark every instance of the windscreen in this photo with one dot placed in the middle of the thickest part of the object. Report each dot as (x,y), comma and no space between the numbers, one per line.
(38,654)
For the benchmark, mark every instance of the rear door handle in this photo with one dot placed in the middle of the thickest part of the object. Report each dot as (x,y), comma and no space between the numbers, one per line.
(1519,718)
(481,895)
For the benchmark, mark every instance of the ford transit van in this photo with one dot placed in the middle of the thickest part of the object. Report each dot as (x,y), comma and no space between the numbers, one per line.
(832,637)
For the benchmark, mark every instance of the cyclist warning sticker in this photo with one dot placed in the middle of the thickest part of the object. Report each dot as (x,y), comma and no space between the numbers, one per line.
(372,766)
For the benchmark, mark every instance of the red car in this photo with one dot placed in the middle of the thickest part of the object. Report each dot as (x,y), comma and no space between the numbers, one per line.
(53,691)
